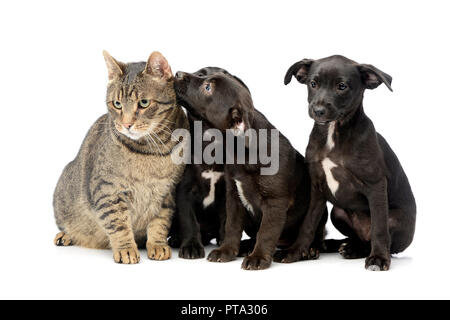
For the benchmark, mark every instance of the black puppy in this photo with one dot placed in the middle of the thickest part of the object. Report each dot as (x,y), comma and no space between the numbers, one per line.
(352,166)
(275,203)
(200,196)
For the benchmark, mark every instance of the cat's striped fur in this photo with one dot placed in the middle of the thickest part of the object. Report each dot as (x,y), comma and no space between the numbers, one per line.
(119,191)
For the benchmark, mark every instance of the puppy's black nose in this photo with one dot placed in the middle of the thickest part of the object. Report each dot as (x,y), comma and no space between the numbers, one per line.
(319,111)
(179,75)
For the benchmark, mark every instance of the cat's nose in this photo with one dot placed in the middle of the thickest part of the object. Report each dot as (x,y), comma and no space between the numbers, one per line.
(127,125)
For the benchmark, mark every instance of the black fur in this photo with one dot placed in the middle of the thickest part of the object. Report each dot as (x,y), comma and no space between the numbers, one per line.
(373,204)
(194,226)
(279,201)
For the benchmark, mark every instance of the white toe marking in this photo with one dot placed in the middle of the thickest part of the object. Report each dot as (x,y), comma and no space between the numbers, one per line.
(330,141)
(213,176)
(333,184)
(374,267)
(244,200)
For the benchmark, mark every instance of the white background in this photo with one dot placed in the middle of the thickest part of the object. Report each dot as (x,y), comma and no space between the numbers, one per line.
(53,81)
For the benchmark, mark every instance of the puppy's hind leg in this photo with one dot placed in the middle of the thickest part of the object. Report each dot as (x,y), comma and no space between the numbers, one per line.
(352,247)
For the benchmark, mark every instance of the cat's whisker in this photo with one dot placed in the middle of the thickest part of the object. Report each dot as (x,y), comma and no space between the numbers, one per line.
(156,136)
(167,131)
(166,121)
(154,143)
(162,125)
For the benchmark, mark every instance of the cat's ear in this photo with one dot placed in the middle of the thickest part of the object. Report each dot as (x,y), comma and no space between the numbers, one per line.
(115,68)
(158,66)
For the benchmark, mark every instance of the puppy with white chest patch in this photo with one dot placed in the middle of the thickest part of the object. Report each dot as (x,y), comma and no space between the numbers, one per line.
(268,206)
(352,166)
(200,198)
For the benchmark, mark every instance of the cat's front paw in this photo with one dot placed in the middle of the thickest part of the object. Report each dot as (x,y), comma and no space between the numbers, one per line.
(126,256)
(158,251)
(62,240)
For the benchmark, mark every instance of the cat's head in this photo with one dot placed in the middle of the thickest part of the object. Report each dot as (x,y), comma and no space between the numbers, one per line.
(139,95)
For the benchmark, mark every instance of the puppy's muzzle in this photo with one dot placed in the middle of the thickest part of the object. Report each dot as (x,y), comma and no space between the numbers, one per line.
(180,75)
(181,82)
(321,113)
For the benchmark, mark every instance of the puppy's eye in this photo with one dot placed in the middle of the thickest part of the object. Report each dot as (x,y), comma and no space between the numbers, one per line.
(144,103)
(342,86)
(313,84)
(117,104)
(208,87)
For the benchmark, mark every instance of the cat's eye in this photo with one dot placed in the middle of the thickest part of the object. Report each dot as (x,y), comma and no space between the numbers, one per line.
(208,87)
(342,86)
(144,103)
(117,104)
(313,84)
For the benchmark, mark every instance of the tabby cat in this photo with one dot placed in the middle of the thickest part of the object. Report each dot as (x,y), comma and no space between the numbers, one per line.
(119,191)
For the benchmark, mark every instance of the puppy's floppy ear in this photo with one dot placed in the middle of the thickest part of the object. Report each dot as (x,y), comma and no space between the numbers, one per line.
(299,70)
(241,114)
(158,66)
(235,114)
(373,77)
(115,68)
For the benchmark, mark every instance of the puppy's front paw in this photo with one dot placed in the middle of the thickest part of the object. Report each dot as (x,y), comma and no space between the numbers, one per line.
(158,251)
(287,256)
(378,263)
(126,256)
(294,255)
(354,250)
(193,249)
(314,253)
(256,262)
(222,255)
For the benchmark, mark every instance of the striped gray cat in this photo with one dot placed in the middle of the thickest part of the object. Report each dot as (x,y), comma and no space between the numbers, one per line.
(119,191)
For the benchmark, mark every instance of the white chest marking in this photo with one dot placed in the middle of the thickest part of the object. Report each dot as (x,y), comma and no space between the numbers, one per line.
(238,129)
(244,200)
(213,176)
(333,184)
(330,141)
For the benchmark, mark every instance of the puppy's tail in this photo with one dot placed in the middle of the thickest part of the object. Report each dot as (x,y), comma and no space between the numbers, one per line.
(332,245)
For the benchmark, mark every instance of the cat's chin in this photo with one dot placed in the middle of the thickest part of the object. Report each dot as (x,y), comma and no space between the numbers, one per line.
(133,136)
